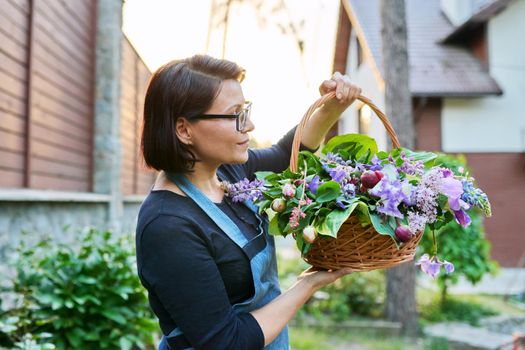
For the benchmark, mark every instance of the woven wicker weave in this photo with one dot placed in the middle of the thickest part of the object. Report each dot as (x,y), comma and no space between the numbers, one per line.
(357,247)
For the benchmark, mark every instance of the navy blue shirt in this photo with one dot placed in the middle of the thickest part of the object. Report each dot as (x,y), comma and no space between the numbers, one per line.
(193,271)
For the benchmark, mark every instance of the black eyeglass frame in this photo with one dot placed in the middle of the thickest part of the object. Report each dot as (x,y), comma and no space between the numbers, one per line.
(246,111)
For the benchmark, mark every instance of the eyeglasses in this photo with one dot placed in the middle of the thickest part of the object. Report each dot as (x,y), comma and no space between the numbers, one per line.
(241,118)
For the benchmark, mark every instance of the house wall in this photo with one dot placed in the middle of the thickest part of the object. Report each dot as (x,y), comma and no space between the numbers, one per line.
(364,77)
(493,124)
(506,190)
(48,92)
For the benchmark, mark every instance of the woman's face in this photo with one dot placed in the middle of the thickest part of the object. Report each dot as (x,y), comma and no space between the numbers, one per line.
(216,141)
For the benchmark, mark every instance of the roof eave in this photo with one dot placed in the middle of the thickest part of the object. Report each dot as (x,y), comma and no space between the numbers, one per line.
(452,94)
(476,20)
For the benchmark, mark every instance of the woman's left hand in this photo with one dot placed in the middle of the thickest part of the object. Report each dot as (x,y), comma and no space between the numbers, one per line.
(345,92)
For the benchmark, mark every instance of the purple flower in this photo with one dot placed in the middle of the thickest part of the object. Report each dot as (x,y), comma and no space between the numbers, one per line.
(462,217)
(337,174)
(340,204)
(391,193)
(453,189)
(244,190)
(314,184)
(432,266)
(410,166)
(449,267)
(376,164)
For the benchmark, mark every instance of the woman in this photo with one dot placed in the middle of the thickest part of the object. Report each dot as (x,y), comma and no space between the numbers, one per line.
(209,264)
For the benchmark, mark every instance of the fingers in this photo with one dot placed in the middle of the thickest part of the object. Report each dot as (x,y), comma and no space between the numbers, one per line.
(327,86)
(346,92)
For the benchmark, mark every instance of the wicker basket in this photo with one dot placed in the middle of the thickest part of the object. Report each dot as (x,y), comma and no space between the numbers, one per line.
(356,247)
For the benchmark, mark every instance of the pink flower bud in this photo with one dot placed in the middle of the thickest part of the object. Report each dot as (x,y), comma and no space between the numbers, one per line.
(289,190)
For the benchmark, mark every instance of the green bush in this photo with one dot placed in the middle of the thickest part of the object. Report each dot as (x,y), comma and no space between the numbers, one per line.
(85,297)
(358,294)
(453,309)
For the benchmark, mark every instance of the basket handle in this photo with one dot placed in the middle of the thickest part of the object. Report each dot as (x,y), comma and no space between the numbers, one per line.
(321,101)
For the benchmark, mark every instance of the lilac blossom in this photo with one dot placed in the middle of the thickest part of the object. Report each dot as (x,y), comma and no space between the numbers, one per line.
(244,190)
(411,166)
(416,222)
(432,266)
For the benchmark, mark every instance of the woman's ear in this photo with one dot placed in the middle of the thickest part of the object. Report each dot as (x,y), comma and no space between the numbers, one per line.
(183,131)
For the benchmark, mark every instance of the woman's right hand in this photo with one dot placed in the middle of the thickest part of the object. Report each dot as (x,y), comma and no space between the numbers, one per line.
(317,278)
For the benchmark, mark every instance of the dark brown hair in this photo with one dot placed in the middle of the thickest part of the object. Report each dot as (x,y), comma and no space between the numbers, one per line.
(180,88)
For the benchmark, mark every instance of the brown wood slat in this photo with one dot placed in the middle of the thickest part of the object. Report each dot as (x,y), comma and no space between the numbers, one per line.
(11,141)
(56,124)
(79,11)
(60,138)
(60,95)
(77,31)
(13,86)
(11,160)
(46,34)
(47,109)
(12,123)
(11,178)
(48,167)
(82,76)
(12,104)
(46,182)
(21,5)
(13,23)
(51,152)
(11,47)
(12,67)
(51,76)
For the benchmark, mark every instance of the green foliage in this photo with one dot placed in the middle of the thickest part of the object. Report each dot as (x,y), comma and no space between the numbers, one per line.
(454,309)
(87,296)
(466,247)
(357,294)
(352,146)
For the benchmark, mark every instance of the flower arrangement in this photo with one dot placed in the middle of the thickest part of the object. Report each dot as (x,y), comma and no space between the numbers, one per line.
(401,193)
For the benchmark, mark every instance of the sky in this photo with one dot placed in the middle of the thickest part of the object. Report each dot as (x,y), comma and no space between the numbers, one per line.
(280,82)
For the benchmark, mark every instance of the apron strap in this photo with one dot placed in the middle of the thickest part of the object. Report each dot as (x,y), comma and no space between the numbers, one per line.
(222,220)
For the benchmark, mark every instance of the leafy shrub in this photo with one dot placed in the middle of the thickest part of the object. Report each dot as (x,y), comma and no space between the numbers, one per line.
(85,297)
(453,309)
(358,294)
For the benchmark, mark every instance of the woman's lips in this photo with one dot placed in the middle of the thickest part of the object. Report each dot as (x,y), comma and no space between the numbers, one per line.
(244,143)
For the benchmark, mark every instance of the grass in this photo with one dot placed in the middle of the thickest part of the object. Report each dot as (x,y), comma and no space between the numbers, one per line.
(313,339)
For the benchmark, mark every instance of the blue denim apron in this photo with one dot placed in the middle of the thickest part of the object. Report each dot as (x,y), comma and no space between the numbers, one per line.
(260,250)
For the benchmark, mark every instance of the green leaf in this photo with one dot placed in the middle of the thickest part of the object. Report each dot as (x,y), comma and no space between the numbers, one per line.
(383,226)
(273,227)
(115,316)
(328,191)
(356,145)
(266,175)
(333,221)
